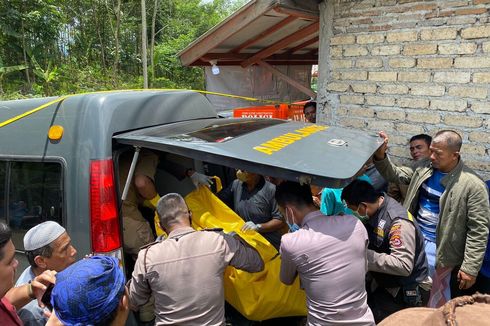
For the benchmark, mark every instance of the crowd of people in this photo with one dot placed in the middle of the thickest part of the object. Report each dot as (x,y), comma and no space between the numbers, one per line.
(362,253)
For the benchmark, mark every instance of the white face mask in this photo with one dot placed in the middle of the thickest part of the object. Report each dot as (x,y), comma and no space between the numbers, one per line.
(363,218)
(242,176)
(293,227)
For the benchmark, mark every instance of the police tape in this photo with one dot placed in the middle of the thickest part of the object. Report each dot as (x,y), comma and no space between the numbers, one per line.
(62,98)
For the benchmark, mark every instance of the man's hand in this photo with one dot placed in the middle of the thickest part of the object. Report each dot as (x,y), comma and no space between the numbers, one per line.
(199,179)
(250,226)
(40,284)
(465,280)
(381,151)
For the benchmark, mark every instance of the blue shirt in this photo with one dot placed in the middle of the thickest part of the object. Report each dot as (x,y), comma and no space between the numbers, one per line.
(428,214)
(485,268)
(31,314)
(331,202)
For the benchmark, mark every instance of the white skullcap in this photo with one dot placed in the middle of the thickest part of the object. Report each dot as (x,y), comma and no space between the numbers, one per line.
(42,235)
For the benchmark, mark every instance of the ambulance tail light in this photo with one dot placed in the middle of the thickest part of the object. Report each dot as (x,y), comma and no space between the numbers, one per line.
(104,222)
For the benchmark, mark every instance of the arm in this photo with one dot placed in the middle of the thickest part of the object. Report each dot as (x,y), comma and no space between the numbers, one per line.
(402,246)
(393,173)
(276,222)
(244,256)
(22,295)
(19,296)
(273,225)
(138,287)
(288,271)
(386,168)
(394,191)
(478,220)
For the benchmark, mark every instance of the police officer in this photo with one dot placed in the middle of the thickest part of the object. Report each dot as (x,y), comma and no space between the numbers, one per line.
(396,256)
(185,271)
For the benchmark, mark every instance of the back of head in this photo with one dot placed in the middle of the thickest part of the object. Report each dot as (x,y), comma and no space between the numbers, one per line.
(451,138)
(89,291)
(293,193)
(426,138)
(5,236)
(462,311)
(171,209)
(359,191)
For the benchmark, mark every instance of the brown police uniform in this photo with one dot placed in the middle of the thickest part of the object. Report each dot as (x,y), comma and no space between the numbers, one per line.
(136,230)
(185,275)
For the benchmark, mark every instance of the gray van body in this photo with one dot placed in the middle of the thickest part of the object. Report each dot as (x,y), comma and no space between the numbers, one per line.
(90,121)
(98,125)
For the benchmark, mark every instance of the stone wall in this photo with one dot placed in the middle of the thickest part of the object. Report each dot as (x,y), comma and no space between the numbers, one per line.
(410,67)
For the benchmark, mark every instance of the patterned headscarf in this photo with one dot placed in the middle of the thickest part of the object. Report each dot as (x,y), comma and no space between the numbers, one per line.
(88,291)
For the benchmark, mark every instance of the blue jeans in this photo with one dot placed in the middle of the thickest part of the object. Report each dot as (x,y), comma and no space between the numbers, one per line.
(430,252)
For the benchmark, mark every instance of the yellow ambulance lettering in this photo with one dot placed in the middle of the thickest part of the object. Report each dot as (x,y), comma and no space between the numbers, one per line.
(278,143)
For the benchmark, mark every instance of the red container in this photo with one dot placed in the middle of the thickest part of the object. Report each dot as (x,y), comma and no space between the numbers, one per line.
(281,111)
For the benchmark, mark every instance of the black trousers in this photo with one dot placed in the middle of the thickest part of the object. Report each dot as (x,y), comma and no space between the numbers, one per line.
(383,304)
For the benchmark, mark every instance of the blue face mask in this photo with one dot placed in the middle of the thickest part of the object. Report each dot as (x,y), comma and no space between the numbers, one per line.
(293,227)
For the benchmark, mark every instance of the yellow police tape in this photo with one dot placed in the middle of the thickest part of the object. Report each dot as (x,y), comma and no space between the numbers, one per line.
(257,296)
(62,98)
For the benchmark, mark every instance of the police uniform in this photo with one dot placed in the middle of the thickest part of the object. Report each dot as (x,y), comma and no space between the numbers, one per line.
(396,260)
(185,272)
(136,230)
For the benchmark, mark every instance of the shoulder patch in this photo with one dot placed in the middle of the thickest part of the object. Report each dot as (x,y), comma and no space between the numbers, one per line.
(381,224)
(395,236)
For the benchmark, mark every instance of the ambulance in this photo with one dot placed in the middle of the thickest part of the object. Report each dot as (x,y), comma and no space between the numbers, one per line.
(59,156)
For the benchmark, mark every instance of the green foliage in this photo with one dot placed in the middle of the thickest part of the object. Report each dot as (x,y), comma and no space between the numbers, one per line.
(50,47)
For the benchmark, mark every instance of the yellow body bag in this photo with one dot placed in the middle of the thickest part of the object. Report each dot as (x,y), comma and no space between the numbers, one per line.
(257,296)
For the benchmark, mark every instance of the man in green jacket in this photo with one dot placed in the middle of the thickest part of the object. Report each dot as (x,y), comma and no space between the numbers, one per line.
(450,202)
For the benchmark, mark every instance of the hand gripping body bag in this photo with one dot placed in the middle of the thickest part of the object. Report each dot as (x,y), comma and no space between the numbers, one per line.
(257,296)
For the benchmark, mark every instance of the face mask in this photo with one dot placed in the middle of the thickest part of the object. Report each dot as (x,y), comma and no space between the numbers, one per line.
(242,176)
(363,218)
(293,227)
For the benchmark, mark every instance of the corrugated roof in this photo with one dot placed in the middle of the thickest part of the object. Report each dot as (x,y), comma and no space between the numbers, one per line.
(278,32)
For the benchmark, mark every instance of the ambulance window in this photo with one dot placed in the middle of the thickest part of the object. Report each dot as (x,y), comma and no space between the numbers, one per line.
(35,196)
(218,133)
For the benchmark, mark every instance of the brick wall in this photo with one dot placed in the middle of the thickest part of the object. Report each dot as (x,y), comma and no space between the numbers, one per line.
(410,67)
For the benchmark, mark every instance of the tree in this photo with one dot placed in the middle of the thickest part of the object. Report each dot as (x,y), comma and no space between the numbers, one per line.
(5,70)
(144,44)
(48,75)
(57,47)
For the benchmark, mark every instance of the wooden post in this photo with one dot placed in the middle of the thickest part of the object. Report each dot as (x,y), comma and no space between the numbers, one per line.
(287,79)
